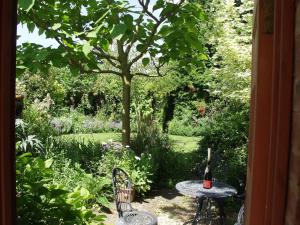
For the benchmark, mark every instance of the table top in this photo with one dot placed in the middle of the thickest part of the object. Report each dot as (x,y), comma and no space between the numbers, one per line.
(194,188)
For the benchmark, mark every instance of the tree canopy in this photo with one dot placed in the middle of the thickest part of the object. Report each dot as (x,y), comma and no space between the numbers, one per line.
(112,37)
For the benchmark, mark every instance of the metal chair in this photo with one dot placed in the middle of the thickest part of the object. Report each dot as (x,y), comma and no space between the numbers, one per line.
(123,188)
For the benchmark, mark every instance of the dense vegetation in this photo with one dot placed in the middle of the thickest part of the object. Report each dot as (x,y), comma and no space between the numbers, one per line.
(201,92)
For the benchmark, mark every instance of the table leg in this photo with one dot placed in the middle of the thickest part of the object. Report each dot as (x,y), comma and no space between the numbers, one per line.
(199,208)
(221,203)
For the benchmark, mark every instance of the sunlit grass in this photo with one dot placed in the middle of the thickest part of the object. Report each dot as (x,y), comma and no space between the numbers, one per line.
(180,143)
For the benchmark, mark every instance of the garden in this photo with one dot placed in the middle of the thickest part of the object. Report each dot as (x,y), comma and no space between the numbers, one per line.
(145,86)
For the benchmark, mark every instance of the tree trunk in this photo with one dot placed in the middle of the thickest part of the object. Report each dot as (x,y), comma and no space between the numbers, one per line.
(126,110)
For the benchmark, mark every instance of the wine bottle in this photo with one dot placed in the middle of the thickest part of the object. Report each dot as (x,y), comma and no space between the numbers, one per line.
(207,182)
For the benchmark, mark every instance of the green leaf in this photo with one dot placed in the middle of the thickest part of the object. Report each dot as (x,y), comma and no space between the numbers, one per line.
(100,218)
(92,34)
(203,57)
(84,192)
(105,45)
(128,19)
(87,48)
(145,61)
(48,163)
(30,27)
(41,31)
(118,30)
(140,47)
(159,4)
(103,201)
(56,26)
(26,4)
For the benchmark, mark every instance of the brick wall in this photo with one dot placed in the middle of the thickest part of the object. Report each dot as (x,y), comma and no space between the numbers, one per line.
(293,201)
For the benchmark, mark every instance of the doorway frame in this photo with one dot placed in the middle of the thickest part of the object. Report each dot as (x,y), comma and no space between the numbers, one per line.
(270,119)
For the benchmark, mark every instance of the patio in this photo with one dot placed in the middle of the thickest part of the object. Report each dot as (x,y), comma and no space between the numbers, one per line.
(170,207)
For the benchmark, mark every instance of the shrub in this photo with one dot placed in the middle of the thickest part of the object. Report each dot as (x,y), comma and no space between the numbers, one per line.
(183,128)
(169,165)
(77,122)
(40,201)
(226,132)
(139,169)
(38,124)
(186,121)
(72,175)
(87,154)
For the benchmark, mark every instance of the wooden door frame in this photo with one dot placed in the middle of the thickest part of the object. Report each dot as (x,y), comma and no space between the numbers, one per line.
(270,113)
(8,9)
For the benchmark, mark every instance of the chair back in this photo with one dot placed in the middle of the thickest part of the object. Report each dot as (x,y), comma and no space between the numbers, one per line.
(122,188)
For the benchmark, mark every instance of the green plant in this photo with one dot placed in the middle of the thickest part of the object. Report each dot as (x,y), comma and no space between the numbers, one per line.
(87,154)
(72,175)
(40,201)
(139,169)
(38,123)
(136,33)
(226,132)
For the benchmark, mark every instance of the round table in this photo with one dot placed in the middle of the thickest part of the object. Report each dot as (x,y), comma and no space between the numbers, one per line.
(219,191)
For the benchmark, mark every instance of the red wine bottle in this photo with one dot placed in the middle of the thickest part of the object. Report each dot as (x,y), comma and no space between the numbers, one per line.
(207,182)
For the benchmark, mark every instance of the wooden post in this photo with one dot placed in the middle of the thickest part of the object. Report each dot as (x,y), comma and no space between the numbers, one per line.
(7,111)
(270,120)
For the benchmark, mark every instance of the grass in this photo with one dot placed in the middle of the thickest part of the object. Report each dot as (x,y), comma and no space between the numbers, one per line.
(184,144)
(181,143)
(96,137)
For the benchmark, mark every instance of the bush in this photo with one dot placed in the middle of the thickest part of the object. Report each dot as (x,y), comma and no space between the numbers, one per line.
(168,165)
(87,154)
(72,175)
(182,128)
(226,132)
(40,201)
(186,121)
(139,169)
(37,123)
(76,122)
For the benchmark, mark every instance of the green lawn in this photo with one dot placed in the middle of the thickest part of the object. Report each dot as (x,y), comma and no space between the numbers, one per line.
(96,137)
(181,143)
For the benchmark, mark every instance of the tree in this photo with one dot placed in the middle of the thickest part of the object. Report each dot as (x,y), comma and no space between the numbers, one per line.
(111,37)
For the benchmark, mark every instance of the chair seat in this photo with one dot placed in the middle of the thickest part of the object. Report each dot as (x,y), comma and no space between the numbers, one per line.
(137,218)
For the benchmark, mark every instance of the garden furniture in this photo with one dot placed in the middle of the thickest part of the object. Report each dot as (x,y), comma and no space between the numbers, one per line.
(123,192)
(218,192)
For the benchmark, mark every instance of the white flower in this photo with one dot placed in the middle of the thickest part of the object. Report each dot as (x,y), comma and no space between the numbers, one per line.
(137,158)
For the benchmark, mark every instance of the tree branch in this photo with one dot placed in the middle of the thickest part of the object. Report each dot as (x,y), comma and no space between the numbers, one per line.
(157,67)
(145,7)
(154,32)
(134,38)
(146,75)
(110,72)
(99,51)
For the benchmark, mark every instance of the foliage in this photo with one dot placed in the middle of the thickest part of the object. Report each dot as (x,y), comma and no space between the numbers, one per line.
(139,168)
(72,175)
(186,121)
(112,37)
(24,141)
(149,140)
(226,134)
(77,122)
(85,154)
(37,123)
(229,73)
(40,201)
